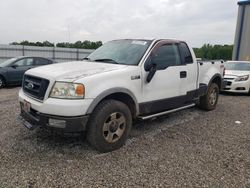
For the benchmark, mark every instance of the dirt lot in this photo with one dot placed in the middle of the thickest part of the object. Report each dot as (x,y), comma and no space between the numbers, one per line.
(191,148)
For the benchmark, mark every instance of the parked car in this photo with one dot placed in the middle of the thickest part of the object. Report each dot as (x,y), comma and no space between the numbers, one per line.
(12,70)
(121,81)
(237,76)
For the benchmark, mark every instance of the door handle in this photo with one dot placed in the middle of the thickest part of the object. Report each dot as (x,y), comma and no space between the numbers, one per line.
(183,74)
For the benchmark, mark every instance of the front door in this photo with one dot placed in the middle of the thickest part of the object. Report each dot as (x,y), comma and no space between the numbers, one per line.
(164,91)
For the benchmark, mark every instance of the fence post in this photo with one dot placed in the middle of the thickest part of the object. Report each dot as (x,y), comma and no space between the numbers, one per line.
(54,53)
(23,50)
(77,54)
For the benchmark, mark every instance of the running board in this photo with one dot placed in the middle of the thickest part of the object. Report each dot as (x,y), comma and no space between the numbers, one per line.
(166,112)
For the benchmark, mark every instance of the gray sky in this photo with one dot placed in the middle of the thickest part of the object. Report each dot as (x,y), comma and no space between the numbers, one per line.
(196,21)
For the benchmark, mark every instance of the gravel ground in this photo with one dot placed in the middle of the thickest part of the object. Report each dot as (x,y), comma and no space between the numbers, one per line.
(191,148)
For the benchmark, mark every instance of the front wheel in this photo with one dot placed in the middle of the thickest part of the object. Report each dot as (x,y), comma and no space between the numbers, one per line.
(2,82)
(109,125)
(209,101)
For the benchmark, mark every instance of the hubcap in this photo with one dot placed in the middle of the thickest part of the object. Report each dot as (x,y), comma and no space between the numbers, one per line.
(114,127)
(213,97)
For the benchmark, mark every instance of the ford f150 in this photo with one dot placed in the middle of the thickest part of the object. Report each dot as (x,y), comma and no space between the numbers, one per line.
(121,81)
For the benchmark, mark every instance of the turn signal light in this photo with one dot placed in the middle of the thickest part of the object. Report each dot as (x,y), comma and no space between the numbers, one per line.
(80,90)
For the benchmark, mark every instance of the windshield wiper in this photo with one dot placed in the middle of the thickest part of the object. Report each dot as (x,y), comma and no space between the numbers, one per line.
(106,60)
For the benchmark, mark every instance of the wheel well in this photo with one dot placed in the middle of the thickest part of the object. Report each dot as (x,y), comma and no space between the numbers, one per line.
(126,99)
(1,76)
(217,80)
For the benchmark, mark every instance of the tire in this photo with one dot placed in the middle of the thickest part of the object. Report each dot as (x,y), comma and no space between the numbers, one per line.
(209,101)
(109,125)
(2,82)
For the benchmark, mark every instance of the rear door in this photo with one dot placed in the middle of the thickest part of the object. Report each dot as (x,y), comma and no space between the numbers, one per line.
(189,72)
(165,90)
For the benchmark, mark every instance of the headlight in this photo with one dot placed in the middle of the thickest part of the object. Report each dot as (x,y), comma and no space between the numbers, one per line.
(242,78)
(64,90)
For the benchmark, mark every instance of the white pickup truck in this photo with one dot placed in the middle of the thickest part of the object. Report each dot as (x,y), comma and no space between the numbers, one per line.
(121,81)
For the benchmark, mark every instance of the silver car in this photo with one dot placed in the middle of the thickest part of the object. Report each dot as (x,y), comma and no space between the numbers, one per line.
(237,76)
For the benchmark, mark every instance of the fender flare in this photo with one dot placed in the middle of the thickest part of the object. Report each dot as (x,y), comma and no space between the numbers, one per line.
(215,76)
(108,92)
(203,88)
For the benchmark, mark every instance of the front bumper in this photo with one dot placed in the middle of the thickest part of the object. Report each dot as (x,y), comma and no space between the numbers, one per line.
(32,120)
(67,115)
(224,84)
(237,87)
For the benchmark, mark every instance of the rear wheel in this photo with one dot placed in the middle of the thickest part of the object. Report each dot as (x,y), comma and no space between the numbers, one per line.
(2,82)
(109,125)
(209,101)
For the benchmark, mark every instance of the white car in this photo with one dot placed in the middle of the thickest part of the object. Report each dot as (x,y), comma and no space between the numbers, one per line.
(237,77)
(121,81)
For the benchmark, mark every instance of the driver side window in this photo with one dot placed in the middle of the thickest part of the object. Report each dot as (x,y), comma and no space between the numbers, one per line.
(165,56)
(24,62)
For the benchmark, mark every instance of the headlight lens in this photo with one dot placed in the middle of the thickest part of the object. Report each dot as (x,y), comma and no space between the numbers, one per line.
(64,90)
(242,78)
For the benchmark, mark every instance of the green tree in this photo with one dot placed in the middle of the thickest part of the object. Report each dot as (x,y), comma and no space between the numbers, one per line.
(213,52)
(78,44)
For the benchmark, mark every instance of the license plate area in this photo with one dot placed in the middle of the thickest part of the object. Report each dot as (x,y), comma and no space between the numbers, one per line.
(25,105)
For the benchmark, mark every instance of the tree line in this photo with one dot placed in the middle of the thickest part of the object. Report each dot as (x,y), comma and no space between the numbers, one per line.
(78,44)
(213,52)
(207,51)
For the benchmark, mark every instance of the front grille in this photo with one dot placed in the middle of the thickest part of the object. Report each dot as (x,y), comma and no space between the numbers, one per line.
(229,83)
(228,78)
(35,86)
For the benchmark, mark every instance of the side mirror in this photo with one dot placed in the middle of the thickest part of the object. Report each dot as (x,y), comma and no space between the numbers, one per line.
(14,66)
(152,70)
(188,59)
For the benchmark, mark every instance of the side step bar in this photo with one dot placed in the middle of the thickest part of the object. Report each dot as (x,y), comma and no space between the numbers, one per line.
(166,112)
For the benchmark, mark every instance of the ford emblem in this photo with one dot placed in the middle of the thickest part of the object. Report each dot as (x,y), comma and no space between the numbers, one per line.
(30,85)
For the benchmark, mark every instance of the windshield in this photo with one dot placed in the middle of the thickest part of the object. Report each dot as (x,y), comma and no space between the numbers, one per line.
(8,62)
(238,66)
(128,52)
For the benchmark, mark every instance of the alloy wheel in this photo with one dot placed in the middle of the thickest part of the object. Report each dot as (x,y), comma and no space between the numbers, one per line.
(213,97)
(114,127)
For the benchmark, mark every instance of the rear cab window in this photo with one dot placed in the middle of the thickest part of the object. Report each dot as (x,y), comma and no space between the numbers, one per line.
(186,56)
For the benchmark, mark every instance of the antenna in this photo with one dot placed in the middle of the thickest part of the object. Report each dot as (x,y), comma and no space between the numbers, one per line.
(69,41)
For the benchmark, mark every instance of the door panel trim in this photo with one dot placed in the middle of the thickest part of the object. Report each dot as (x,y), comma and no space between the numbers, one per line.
(171,103)
(166,112)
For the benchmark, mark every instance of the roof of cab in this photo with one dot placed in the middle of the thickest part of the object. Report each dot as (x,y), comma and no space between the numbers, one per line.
(153,39)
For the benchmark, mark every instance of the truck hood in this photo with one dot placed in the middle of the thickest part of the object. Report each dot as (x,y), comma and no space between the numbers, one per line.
(72,71)
(236,73)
